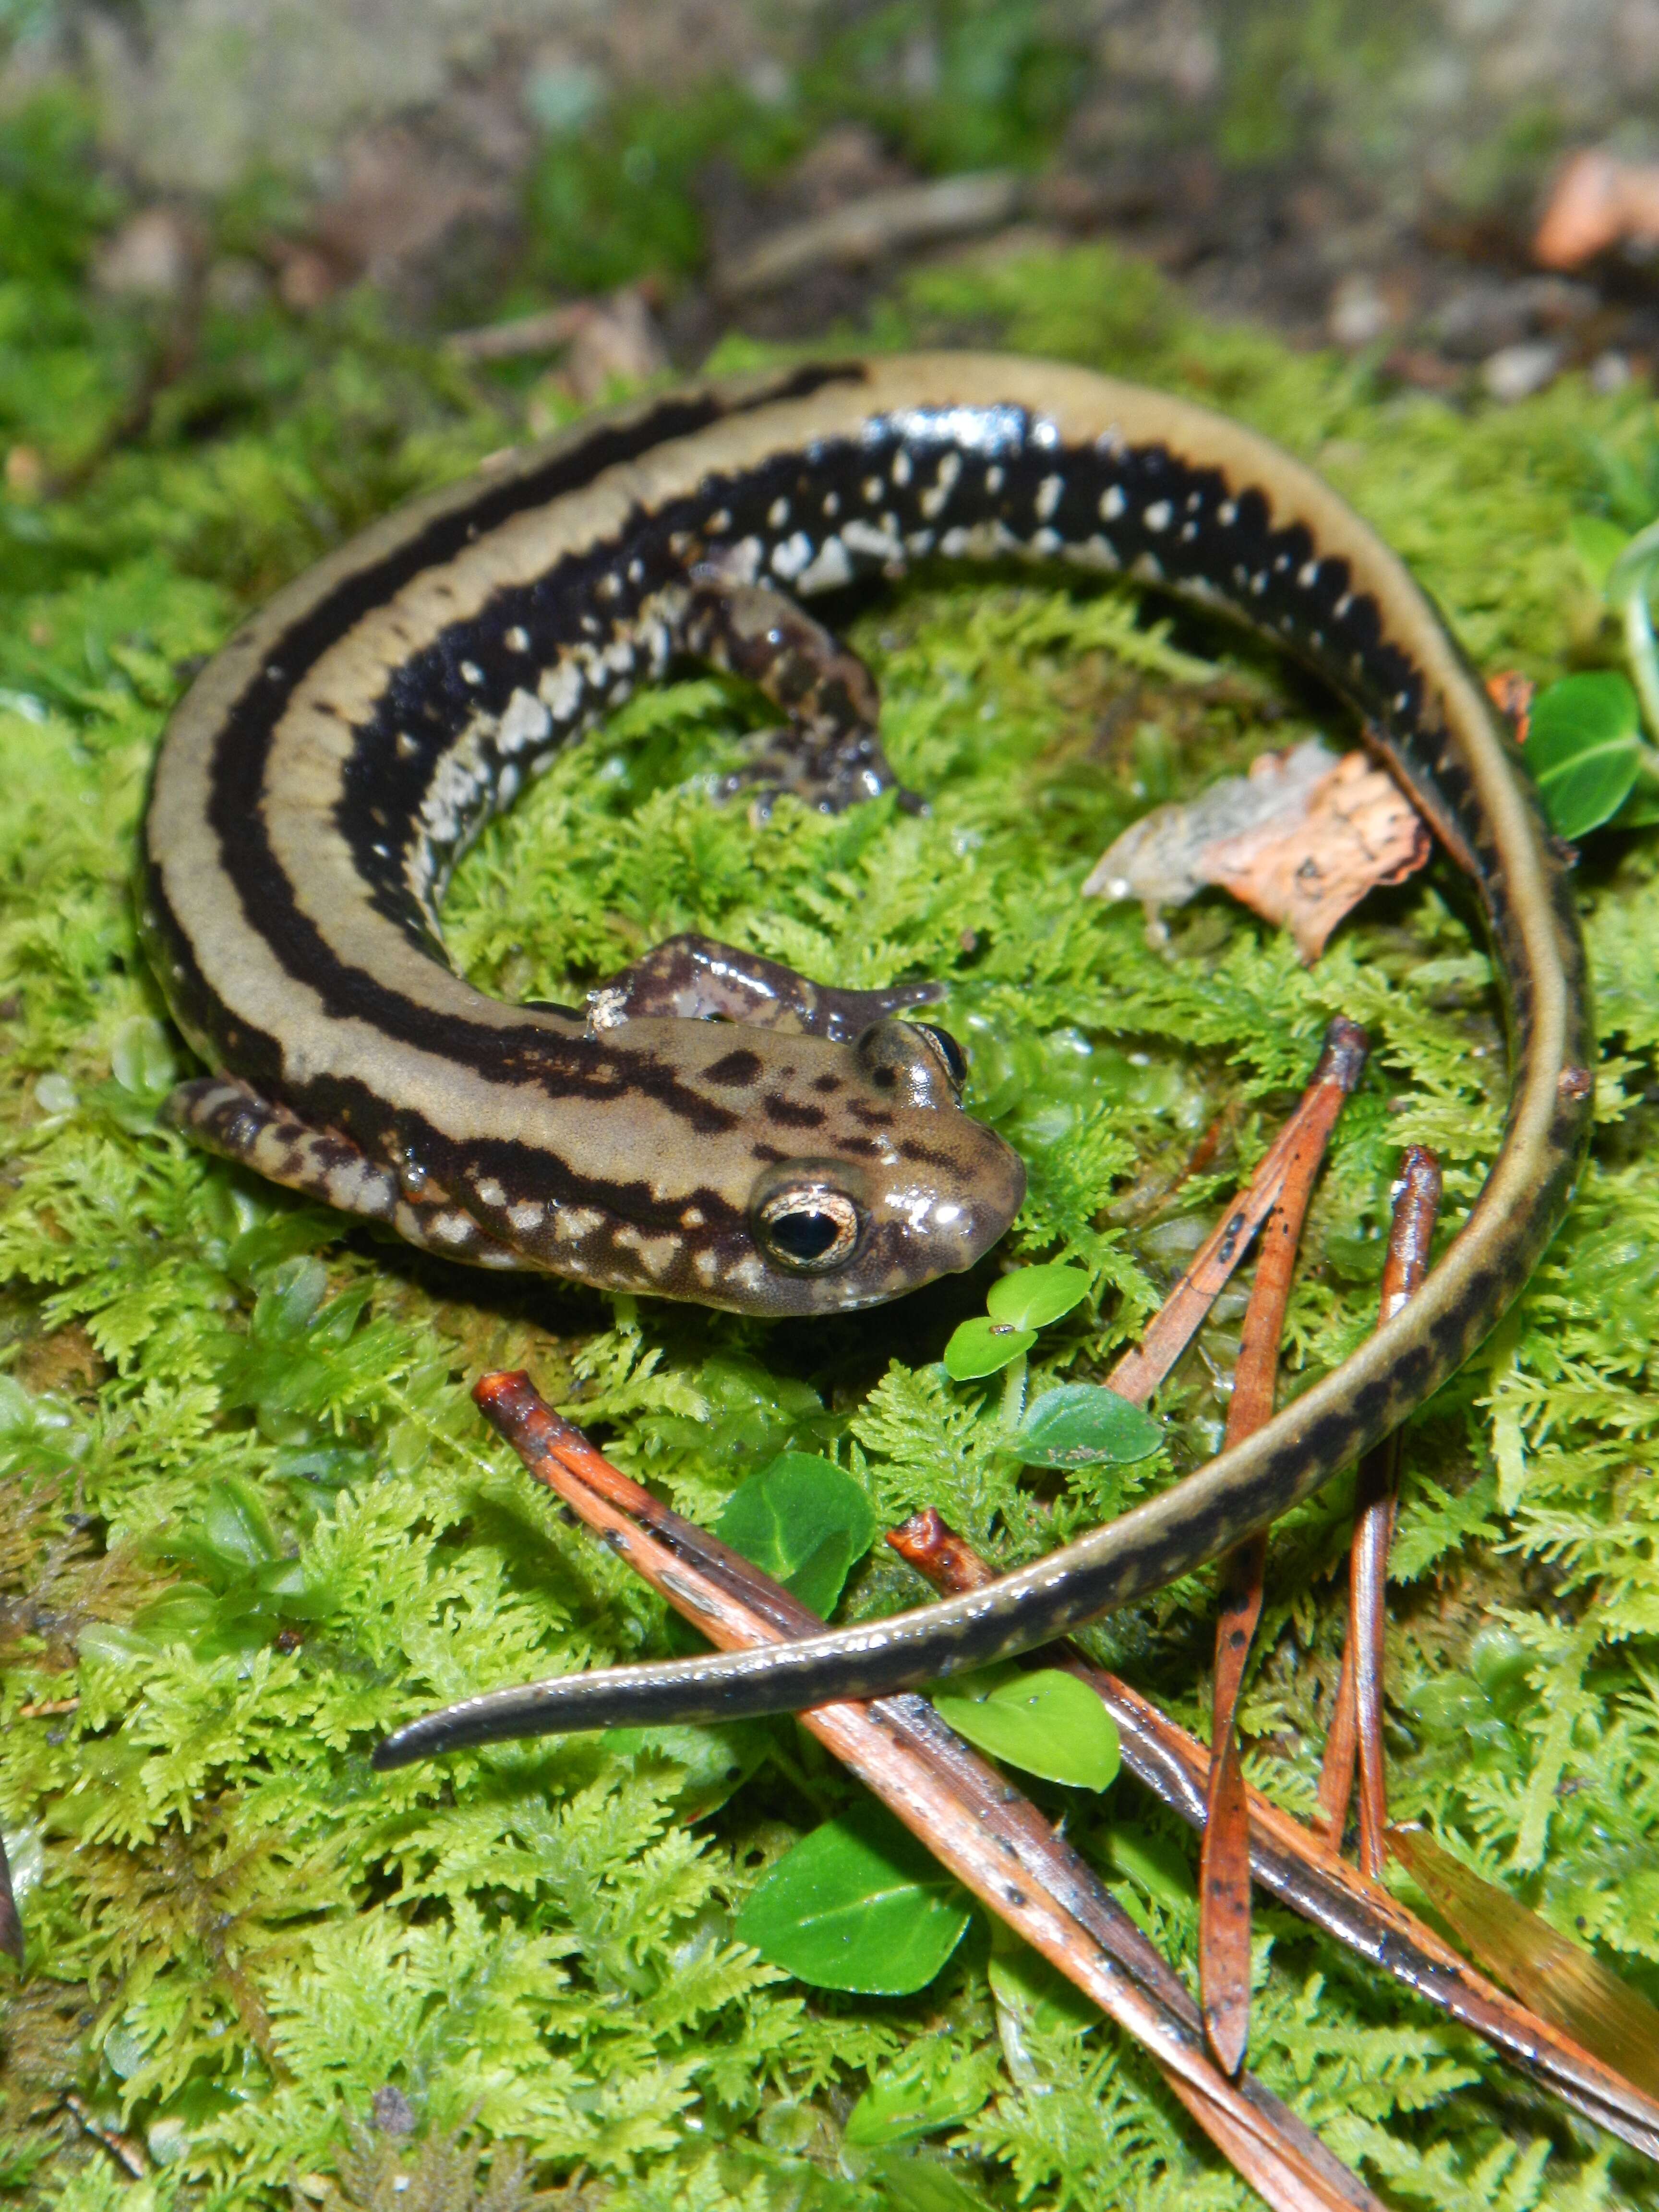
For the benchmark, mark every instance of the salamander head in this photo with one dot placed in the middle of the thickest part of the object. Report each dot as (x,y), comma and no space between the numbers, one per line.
(786,1173)
(896,1186)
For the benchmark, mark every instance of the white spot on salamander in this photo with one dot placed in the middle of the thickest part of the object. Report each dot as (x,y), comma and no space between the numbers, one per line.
(1159,514)
(562,687)
(517,639)
(865,538)
(901,467)
(995,476)
(490,1191)
(1113,503)
(1050,492)
(526,1216)
(830,571)
(932,500)
(778,514)
(791,556)
(524,723)
(470,672)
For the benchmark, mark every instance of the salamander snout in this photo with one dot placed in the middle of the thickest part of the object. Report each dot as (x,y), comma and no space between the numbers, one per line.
(906,1185)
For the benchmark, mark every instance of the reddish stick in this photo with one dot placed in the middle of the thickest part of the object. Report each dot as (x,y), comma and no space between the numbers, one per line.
(1223,1893)
(1357,1719)
(939,1787)
(1139,1373)
(1299,1868)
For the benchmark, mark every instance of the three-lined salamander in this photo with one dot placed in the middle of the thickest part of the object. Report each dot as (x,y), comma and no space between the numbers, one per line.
(806,1150)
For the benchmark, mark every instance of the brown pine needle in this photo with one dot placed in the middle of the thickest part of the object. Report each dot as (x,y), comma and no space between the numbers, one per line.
(1295,1865)
(1546,1969)
(1356,1727)
(1139,1373)
(992,1840)
(1224,1890)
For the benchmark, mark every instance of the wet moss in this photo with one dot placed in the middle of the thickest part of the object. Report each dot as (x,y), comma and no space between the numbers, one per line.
(251,1520)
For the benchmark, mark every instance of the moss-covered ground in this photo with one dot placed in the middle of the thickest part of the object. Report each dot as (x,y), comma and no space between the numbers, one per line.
(251,1520)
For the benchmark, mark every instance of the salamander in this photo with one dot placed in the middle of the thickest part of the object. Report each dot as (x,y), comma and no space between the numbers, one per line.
(710,1126)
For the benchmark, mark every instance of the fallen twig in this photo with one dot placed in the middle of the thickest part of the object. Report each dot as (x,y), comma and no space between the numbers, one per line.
(1223,1888)
(991,1838)
(1357,1718)
(1139,1373)
(853,236)
(1295,1865)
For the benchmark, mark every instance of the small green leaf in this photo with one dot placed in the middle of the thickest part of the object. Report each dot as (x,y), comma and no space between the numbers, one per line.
(1641,809)
(805,1522)
(1085,1425)
(933,2085)
(142,1059)
(1598,544)
(1584,749)
(910,2181)
(1153,1863)
(1031,1297)
(1047,1723)
(1023,1983)
(715,1761)
(982,1347)
(235,1524)
(860,1905)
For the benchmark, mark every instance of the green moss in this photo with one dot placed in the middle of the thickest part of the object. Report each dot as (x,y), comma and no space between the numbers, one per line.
(618,194)
(250,1519)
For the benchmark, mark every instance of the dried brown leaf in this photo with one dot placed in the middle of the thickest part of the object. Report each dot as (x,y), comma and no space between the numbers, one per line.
(1300,839)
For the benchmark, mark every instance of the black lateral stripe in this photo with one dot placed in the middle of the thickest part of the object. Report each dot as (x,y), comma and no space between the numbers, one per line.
(242,748)
(243,744)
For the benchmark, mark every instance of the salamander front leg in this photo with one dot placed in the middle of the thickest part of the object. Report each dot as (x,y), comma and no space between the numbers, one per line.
(236,1123)
(694,979)
(827,753)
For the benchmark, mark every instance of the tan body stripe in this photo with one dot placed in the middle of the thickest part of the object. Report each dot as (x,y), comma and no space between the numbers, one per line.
(1444,743)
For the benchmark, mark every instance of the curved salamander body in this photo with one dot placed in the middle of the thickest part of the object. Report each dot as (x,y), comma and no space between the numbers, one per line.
(806,1150)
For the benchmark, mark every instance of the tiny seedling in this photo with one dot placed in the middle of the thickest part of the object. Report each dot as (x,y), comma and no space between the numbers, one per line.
(1071,1425)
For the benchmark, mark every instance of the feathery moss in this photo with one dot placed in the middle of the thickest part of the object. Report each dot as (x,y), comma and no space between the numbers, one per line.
(250,1520)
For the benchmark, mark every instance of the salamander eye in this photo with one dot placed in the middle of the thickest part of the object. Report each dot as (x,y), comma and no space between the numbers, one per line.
(954,1059)
(808,1227)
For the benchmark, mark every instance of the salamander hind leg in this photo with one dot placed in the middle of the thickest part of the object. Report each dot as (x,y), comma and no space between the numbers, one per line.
(228,1119)
(694,979)
(827,752)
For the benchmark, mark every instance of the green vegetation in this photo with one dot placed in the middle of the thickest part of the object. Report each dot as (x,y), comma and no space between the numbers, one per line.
(250,1519)
(949,84)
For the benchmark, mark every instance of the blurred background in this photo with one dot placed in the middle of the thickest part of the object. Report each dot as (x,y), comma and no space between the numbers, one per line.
(1370,177)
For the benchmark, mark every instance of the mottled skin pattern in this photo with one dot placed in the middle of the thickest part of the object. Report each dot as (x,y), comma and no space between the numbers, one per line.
(318,784)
